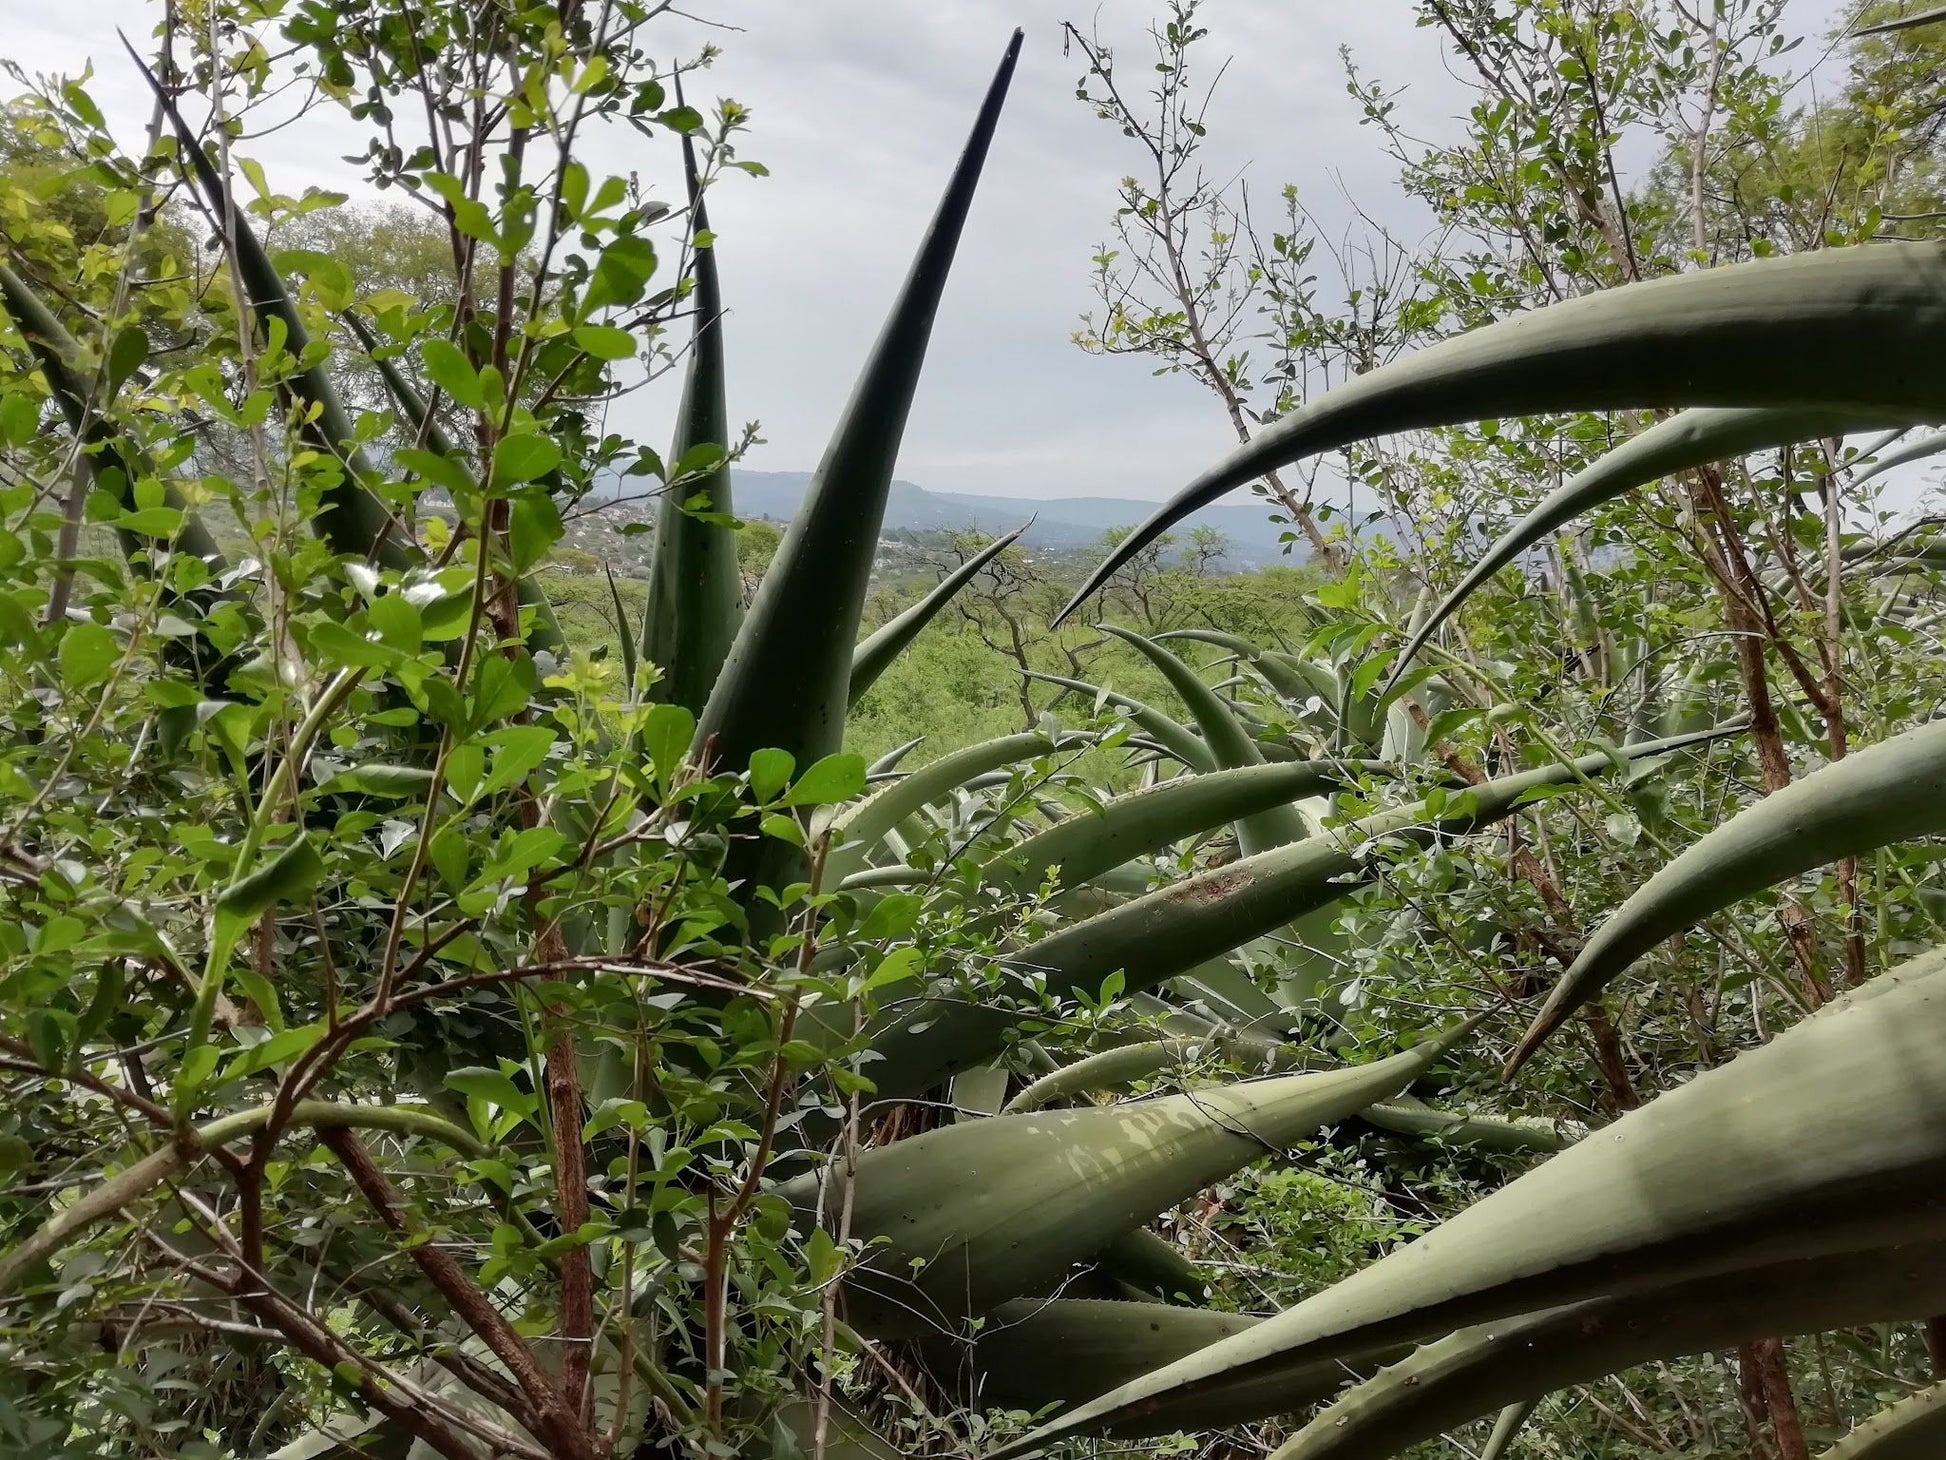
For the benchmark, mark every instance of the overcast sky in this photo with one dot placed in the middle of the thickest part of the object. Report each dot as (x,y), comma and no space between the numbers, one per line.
(859,108)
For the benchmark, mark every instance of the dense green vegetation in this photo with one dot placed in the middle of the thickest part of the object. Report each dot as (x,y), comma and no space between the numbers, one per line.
(1475,990)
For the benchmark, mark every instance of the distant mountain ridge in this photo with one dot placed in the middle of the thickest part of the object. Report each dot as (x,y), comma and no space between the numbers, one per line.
(1060,523)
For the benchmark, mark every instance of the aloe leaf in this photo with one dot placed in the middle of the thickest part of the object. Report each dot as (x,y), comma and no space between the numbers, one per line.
(1113,1069)
(1904,22)
(887,763)
(1171,930)
(355,522)
(1229,743)
(1031,1353)
(59,356)
(1506,1428)
(1091,843)
(1408,1116)
(1849,330)
(1518,1360)
(1690,439)
(695,585)
(1889,792)
(1152,1266)
(972,1215)
(859,831)
(1173,736)
(875,654)
(1912,1429)
(1750,1164)
(787,680)
(1912,451)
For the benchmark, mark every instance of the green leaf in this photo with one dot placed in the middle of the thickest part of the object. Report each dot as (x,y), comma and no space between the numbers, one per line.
(860,830)
(1090,843)
(397,782)
(605,342)
(533,527)
(88,654)
(449,369)
(1749,1165)
(126,354)
(830,780)
(621,275)
(1229,743)
(522,458)
(288,877)
(1173,929)
(666,738)
(695,601)
(1176,738)
(770,772)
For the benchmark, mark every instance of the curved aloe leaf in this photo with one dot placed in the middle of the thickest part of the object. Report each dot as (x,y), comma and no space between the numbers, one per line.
(1113,1069)
(1750,1164)
(1690,439)
(1176,738)
(1904,22)
(1516,1361)
(1173,929)
(1846,330)
(355,521)
(861,829)
(787,679)
(872,657)
(965,1217)
(1031,1353)
(1229,743)
(889,762)
(1090,843)
(1889,792)
(1918,450)
(1912,1429)
(695,586)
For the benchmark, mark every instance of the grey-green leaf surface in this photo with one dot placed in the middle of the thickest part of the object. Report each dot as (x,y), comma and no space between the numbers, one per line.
(968,1216)
(1092,842)
(1912,1429)
(1520,1359)
(1173,929)
(1751,1163)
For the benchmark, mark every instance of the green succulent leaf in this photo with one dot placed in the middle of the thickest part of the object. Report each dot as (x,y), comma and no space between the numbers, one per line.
(1846,330)
(1752,1163)
(1890,792)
